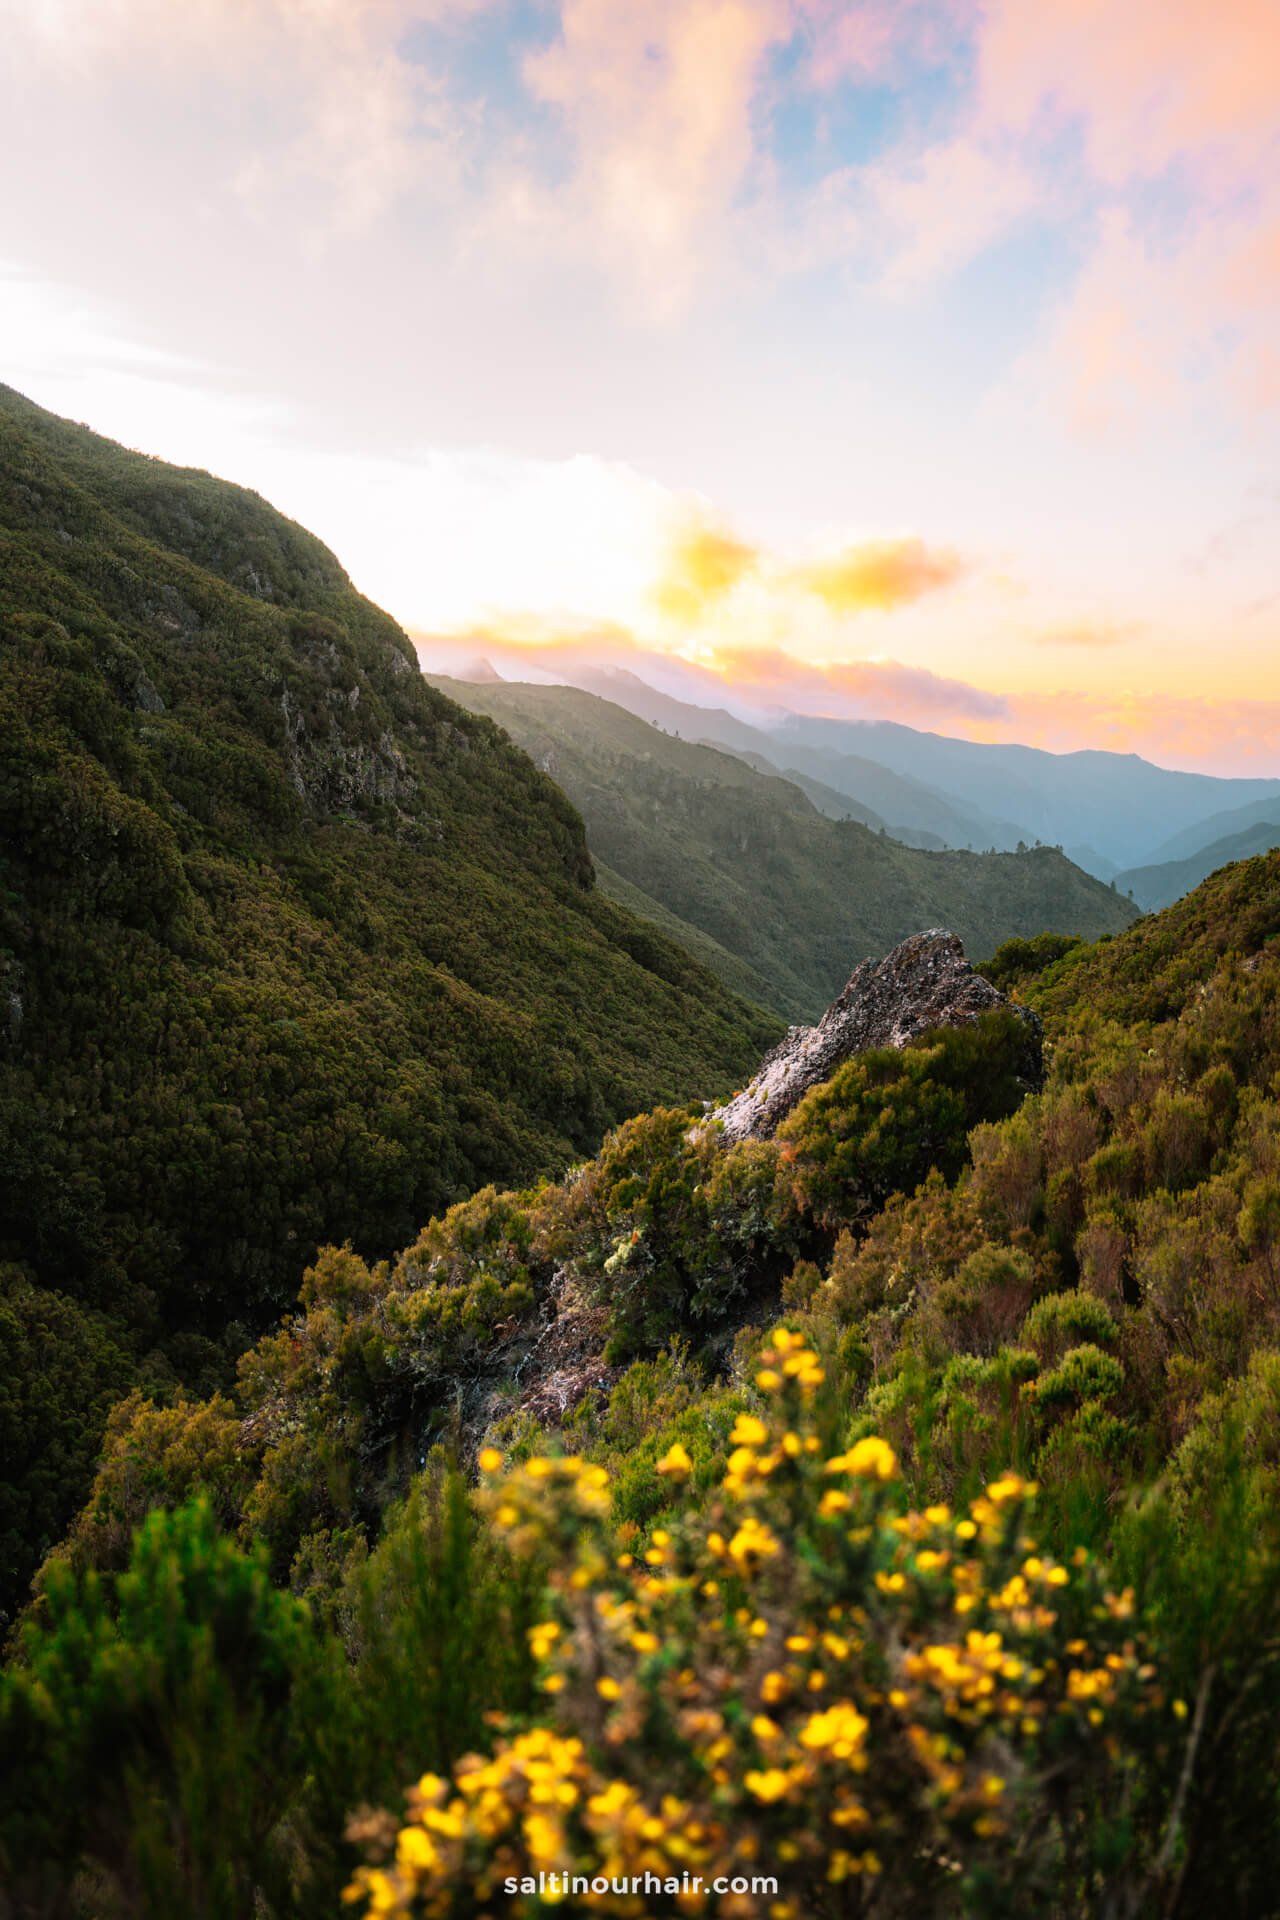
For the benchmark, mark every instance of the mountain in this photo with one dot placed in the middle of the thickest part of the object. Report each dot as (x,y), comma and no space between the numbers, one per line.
(1160,884)
(1117,803)
(744,857)
(1106,810)
(914,812)
(292,949)
(1216,827)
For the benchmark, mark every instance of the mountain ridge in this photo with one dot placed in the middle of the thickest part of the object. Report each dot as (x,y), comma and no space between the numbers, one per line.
(744,855)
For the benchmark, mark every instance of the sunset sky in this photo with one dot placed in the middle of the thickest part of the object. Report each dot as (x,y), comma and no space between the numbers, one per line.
(917,359)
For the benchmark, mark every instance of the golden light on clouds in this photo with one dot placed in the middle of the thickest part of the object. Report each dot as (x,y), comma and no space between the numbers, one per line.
(1090,633)
(881,575)
(706,563)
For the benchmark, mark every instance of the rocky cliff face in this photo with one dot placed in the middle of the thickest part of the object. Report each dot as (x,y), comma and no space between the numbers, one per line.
(924,983)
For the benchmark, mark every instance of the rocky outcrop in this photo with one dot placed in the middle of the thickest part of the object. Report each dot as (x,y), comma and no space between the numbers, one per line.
(924,983)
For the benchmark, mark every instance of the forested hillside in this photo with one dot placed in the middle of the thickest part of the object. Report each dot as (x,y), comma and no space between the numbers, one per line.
(745,859)
(291,948)
(888,1506)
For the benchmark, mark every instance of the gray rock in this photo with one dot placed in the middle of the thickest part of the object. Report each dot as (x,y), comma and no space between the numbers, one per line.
(924,983)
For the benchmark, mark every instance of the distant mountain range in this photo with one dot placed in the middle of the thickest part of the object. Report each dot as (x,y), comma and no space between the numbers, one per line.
(1114,814)
(1159,885)
(778,896)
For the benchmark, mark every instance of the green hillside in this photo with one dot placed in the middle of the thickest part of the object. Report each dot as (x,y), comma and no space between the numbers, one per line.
(894,1500)
(745,858)
(291,948)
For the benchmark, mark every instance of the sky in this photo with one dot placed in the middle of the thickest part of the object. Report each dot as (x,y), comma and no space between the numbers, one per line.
(916,359)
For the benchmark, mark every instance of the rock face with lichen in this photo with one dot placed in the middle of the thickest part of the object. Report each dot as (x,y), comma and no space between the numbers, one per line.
(923,984)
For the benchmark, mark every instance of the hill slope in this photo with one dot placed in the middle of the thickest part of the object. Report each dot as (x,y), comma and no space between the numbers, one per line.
(291,948)
(992,1380)
(914,811)
(1159,885)
(745,858)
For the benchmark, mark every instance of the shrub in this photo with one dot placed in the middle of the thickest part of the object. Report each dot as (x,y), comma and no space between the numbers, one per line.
(1069,1319)
(160,1735)
(889,1116)
(1085,1373)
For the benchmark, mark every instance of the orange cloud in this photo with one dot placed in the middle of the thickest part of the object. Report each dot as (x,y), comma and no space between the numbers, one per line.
(706,563)
(1089,633)
(1208,736)
(880,575)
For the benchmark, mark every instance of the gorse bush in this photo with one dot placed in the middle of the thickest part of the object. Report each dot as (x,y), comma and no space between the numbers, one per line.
(799,1675)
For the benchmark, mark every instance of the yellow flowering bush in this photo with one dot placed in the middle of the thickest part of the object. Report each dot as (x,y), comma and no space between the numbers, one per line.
(800,1679)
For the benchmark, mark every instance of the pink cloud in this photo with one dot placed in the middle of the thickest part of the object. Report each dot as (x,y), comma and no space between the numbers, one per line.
(657,99)
(1152,82)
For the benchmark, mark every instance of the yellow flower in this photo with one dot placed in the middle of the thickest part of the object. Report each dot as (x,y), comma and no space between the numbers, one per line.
(748,1431)
(768,1380)
(608,1688)
(489,1460)
(1010,1486)
(416,1852)
(840,1731)
(768,1785)
(753,1541)
(543,1637)
(676,1462)
(873,1459)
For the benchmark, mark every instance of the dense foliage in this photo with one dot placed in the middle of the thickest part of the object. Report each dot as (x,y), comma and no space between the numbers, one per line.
(291,948)
(780,899)
(953,1592)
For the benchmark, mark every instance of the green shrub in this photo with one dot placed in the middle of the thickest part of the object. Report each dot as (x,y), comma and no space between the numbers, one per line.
(1063,1320)
(1084,1373)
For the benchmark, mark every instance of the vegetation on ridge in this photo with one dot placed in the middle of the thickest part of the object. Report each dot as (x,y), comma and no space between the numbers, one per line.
(911,1532)
(741,857)
(291,948)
